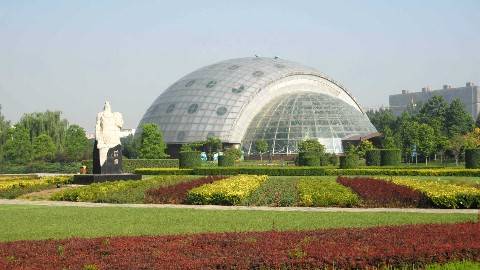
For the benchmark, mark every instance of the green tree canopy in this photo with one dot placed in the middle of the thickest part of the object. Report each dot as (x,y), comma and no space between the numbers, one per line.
(152,145)
(212,144)
(76,143)
(50,123)
(381,119)
(434,110)
(311,145)
(18,147)
(43,148)
(388,139)
(457,120)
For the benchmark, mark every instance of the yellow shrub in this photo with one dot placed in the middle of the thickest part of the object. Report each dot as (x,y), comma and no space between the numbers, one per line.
(443,194)
(229,191)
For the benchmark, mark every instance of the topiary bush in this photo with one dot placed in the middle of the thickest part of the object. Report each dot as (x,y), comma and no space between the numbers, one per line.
(308,159)
(472,158)
(390,157)
(226,160)
(349,161)
(190,159)
(373,157)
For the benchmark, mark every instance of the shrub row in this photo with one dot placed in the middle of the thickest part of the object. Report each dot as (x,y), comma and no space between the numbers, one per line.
(15,187)
(444,195)
(176,194)
(310,171)
(130,165)
(40,167)
(226,161)
(131,191)
(379,193)
(278,191)
(402,247)
(383,157)
(230,191)
(325,192)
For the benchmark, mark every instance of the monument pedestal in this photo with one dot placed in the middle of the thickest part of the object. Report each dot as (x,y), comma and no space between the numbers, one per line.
(85,179)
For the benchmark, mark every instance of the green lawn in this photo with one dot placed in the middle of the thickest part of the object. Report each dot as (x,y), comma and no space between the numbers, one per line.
(43,222)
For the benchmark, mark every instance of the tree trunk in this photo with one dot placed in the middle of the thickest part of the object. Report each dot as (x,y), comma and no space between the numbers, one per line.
(261,157)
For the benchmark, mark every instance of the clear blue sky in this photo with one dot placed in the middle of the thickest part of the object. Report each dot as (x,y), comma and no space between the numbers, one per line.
(72,55)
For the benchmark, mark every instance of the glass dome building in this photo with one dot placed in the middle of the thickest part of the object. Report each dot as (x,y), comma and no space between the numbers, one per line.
(244,100)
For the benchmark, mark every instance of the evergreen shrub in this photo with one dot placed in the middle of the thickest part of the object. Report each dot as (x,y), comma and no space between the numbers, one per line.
(372,157)
(472,158)
(190,159)
(390,157)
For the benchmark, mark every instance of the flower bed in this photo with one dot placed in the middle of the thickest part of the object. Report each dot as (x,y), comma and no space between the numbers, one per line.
(118,191)
(379,193)
(13,187)
(276,191)
(371,248)
(176,193)
(444,195)
(325,192)
(230,191)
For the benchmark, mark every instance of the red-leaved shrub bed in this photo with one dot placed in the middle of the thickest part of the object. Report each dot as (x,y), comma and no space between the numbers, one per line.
(394,246)
(380,193)
(176,193)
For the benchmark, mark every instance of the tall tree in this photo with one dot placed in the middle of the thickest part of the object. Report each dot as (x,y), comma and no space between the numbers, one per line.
(426,143)
(457,120)
(381,119)
(50,123)
(364,147)
(456,145)
(152,145)
(388,139)
(18,147)
(311,145)
(433,113)
(4,126)
(43,148)
(76,143)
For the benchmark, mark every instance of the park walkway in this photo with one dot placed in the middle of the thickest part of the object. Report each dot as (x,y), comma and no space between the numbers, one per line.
(242,208)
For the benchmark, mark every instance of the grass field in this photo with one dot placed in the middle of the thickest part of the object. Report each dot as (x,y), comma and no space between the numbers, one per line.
(44,222)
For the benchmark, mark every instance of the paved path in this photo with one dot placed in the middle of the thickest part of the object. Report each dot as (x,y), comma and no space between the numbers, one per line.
(243,208)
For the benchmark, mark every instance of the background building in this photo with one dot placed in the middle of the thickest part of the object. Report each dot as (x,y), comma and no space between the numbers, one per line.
(244,100)
(468,94)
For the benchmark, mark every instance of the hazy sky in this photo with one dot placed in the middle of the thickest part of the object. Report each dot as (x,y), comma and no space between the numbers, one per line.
(72,55)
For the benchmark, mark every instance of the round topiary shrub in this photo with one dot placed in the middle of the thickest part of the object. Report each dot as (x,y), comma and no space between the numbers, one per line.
(390,157)
(226,160)
(472,158)
(372,157)
(349,161)
(189,159)
(308,159)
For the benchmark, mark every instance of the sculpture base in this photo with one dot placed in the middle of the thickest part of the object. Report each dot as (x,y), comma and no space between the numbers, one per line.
(85,179)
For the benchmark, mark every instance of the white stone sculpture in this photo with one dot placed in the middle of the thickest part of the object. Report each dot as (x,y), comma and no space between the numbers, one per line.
(107,131)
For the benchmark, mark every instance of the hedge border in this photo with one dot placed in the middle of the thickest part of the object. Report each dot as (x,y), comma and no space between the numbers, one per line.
(308,171)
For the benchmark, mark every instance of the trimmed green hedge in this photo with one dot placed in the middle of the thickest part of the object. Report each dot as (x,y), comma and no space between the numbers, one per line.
(472,158)
(308,159)
(308,171)
(390,157)
(372,157)
(130,165)
(226,161)
(349,161)
(190,159)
